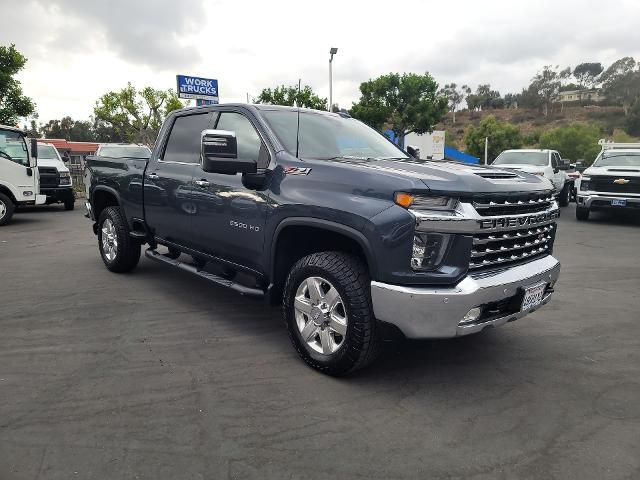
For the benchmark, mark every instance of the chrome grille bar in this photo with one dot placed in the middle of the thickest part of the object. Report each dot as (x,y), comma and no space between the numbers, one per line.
(512,235)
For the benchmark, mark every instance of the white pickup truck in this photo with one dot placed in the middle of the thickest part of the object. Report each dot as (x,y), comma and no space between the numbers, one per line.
(546,163)
(19,178)
(612,182)
(55,178)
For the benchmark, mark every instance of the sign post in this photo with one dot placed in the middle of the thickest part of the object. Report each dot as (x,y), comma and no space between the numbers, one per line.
(203,90)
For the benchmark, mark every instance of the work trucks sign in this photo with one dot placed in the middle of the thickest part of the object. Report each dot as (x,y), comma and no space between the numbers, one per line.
(197,88)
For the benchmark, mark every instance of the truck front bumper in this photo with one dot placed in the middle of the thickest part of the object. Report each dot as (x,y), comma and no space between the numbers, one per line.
(435,312)
(602,201)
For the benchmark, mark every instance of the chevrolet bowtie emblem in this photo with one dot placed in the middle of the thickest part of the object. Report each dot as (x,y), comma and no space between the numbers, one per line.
(621,181)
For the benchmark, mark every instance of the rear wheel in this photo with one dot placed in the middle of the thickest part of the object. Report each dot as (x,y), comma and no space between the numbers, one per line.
(6,209)
(328,312)
(120,253)
(582,213)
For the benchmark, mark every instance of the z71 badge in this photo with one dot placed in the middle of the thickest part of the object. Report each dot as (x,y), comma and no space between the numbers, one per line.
(296,171)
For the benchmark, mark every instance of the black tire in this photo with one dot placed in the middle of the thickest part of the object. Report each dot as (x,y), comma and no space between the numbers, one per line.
(127,250)
(582,213)
(69,203)
(7,208)
(349,276)
(565,195)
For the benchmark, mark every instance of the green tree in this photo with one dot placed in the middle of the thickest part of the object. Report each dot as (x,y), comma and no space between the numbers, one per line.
(69,129)
(576,141)
(621,82)
(135,116)
(13,103)
(454,96)
(290,96)
(547,83)
(502,136)
(587,73)
(633,119)
(33,131)
(407,103)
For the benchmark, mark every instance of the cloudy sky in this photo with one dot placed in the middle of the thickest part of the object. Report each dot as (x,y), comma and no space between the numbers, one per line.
(79,49)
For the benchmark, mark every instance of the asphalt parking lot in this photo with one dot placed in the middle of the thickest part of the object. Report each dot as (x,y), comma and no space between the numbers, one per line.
(158,375)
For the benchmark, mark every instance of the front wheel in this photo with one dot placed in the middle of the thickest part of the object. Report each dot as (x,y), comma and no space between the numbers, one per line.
(582,213)
(6,209)
(120,253)
(565,195)
(328,313)
(69,203)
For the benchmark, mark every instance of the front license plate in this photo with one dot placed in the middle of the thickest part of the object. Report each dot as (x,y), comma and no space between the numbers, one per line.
(533,296)
(618,203)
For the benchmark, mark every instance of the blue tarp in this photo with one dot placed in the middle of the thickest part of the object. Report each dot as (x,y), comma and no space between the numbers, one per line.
(451,153)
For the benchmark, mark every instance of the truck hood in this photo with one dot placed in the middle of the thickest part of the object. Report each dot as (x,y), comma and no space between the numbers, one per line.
(456,177)
(49,162)
(613,171)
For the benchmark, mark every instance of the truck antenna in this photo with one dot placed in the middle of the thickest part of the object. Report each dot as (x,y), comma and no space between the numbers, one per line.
(298,128)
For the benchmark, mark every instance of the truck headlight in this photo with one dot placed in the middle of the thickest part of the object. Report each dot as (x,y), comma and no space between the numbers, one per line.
(65,178)
(425,202)
(585,184)
(428,250)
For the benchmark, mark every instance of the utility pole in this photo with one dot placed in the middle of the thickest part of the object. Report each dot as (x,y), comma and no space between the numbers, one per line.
(486,149)
(332,52)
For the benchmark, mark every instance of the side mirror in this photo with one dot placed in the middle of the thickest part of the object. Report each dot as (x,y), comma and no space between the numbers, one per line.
(414,152)
(219,154)
(34,151)
(563,166)
(66,158)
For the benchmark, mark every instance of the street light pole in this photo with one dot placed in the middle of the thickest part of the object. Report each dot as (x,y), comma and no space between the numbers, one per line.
(332,52)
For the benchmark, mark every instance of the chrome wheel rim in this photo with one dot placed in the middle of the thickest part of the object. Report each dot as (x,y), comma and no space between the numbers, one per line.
(3,209)
(321,315)
(109,240)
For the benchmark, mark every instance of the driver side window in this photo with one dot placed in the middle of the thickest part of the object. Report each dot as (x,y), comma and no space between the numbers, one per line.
(249,142)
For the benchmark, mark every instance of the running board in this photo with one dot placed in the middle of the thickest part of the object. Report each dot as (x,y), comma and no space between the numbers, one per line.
(187,267)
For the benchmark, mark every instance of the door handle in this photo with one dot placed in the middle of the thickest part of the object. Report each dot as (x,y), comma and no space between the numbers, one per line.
(153,176)
(202,183)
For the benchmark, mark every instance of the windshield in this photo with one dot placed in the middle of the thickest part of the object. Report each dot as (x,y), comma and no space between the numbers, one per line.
(540,159)
(125,151)
(47,152)
(618,160)
(13,147)
(329,136)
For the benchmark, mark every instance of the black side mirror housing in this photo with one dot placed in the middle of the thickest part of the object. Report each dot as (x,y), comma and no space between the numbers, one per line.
(219,154)
(66,158)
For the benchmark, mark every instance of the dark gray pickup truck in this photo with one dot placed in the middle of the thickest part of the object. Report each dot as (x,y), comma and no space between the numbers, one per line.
(358,240)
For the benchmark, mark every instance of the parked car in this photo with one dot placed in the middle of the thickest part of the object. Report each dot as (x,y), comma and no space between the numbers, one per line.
(19,179)
(319,212)
(55,177)
(612,182)
(546,163)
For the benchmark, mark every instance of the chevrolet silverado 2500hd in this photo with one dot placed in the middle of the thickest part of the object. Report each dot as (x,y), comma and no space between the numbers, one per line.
(322,213)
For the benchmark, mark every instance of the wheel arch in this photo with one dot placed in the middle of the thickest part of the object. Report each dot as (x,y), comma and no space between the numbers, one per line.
(102,197)
(296,237)
(7,191)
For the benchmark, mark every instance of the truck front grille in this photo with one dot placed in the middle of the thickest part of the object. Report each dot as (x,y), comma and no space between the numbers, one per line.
(605,184)
(512,204)
(48,177)
(513,246)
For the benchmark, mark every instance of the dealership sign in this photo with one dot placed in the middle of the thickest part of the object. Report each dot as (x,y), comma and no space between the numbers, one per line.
(197,88)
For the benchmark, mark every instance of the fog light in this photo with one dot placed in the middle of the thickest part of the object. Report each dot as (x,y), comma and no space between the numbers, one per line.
(471,316)
(428,250)
(27,193)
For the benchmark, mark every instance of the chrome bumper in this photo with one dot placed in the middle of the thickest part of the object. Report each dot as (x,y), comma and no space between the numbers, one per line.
(586,199)
(432,312)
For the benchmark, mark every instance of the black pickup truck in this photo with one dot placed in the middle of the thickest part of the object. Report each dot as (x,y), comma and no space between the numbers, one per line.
(358,240)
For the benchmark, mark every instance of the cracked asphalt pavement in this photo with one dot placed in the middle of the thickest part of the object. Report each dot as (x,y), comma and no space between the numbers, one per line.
(159,375)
